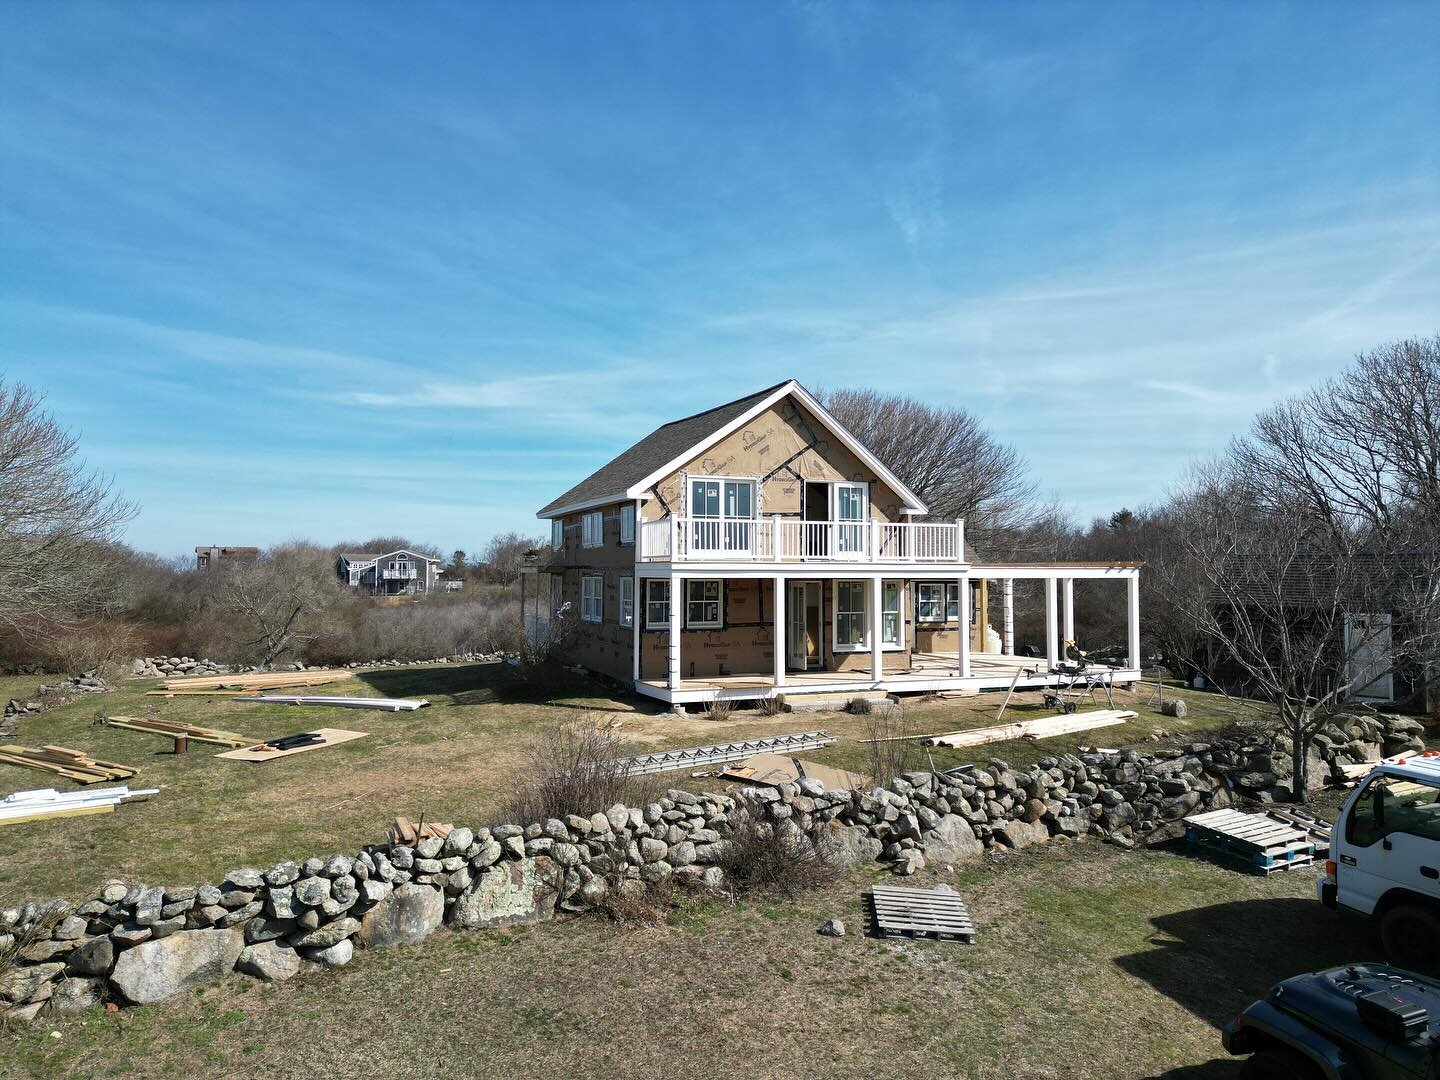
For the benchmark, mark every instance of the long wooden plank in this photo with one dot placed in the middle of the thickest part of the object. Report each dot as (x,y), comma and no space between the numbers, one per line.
(171,729)
(1040,728)
(74,811)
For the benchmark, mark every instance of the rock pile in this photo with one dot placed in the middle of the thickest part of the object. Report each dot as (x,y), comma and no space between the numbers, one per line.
(154,667)
(49,696)
(139,943)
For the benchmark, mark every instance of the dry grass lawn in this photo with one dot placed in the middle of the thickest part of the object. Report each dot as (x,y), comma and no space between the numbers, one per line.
(454,761)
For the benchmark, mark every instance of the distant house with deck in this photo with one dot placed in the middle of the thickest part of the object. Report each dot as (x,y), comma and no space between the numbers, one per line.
(758,549)
(393,573)
(210,554)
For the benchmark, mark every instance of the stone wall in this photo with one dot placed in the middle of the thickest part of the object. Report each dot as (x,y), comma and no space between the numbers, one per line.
(136,943)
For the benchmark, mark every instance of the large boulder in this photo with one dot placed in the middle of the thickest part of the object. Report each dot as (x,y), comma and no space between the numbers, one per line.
(953,841)
(155,970)
(94,957)
(410,913)
(508,893)
(1019,834)
(849,845)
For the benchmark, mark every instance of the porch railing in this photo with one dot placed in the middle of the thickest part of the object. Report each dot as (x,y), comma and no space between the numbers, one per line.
(781,539)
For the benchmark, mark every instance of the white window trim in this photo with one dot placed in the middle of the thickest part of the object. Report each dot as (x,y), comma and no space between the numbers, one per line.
(864,644)
(557,533)
(662,623)
(627,525)
(835,486)
(890,646)
(627,585)
(719,602)
(946,619)
(586,519)
(599,598)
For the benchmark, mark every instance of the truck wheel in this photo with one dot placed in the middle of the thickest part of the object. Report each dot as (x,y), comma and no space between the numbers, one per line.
(1411,936)
(1279,1064)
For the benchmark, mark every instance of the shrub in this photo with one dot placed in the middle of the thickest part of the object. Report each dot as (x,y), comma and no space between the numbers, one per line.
(576,767)
(719,710)
(760,857)
(772,706)
(892,744)
(859,706)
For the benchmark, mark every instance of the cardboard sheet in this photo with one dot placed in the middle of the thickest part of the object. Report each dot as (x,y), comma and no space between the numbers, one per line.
(776,769)
(331,737)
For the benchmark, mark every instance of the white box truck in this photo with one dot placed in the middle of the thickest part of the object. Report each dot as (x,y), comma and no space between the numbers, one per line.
(1385,858)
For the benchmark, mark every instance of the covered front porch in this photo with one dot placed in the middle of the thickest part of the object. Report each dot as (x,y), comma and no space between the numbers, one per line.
(914,656)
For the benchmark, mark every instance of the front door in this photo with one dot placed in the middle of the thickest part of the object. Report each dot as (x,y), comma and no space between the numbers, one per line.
(802,631)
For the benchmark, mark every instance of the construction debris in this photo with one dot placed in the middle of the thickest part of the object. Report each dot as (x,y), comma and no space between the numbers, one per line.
(293,744)
(776,769)
(43,803)
(1257,841)
(1314,826)
(255,682)
(699,756)
(71,764)
(936,914)
(1043,727)
(383,704)
(405,831)
(176,730)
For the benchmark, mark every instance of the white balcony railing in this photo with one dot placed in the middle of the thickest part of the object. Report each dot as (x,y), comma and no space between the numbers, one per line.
(781,539)
(399,575)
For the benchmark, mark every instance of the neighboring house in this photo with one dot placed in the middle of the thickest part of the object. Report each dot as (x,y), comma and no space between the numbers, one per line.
(206,557)
(394,573)
(758,549)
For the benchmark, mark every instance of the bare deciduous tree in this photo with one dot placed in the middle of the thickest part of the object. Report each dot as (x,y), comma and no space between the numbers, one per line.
(505,555)
(58,520)
(947,458)
(283,600)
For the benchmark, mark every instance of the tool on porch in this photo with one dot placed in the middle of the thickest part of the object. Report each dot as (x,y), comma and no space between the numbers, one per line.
(1079,680)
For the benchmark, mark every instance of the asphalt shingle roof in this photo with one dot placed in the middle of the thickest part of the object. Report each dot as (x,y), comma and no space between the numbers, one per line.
(655,450)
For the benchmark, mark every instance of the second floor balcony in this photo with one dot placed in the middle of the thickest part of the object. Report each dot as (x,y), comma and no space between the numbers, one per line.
(399,574)
(788,540)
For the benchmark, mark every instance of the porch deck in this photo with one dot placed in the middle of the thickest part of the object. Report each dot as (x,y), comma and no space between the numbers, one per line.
(928,673)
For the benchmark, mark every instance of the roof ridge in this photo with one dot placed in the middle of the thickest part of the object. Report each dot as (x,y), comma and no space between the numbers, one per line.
(728,404)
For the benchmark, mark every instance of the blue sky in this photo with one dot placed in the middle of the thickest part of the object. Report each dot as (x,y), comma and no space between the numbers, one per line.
(335,270)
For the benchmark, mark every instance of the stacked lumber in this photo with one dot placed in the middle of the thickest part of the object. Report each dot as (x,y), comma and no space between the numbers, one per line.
(384,704)
(71,764)
(254,682)
(1044,727)
(405,831)
(174,729)
(44,803)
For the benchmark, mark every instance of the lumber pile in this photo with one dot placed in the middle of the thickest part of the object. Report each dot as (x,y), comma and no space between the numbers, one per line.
(253,683)
(174,729)
(71,764)
(384,704)
(1044,727)
(405,831)
(44,803)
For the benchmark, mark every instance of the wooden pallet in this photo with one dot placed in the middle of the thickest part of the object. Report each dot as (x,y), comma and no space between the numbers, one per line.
(919,913)
(1317,828)
(1261,843)
(174,729)
(72,764)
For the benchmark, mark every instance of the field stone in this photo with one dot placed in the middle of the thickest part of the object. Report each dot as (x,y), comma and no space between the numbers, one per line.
(273,961)
(129,934)
(488,855)
(70,928)
(245,878)
(429,847)
(267,928)
(1020,834)
(508,894)
(19,985)
(337,955)
(458,840)
(953,841)
(410,913)
(73,996)
(312,891)
(93,957)
(832,928)
(155,970)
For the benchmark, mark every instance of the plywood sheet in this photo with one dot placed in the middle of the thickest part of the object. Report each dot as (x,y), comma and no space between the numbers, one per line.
(776,769)
(330,737)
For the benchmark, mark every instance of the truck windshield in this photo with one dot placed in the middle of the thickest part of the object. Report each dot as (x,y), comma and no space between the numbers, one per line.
(1390,805)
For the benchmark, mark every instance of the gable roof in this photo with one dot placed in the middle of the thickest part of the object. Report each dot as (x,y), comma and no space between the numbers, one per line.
(632,473)
(354,556)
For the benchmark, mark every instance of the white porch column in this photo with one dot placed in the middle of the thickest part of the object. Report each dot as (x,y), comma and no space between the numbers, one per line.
(637,607)
(1132,588)
(877,629)
(1009,624)
(963,652)
(1052,628)
(1067,609)
(780,646)
(677,605)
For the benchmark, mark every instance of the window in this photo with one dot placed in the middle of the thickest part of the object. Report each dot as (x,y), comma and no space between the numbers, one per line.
(850,630)
(592,529)
(702,603)
(930,601)
(627,601)
(892,623)
(592,597)
(557,593)
(721,512)
(937,601)
(627,524)
(657,602)
(557,533)
(850,511)
(1392,805)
